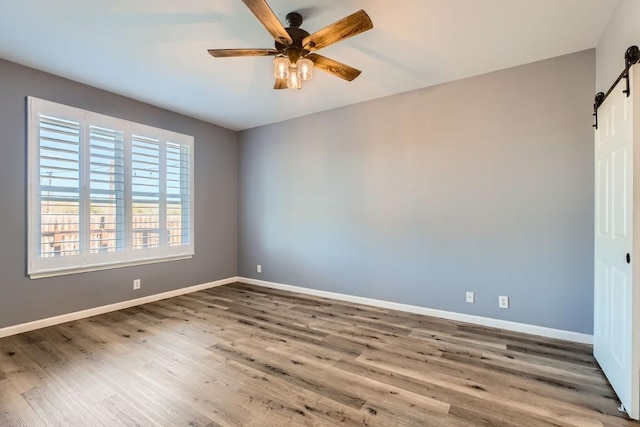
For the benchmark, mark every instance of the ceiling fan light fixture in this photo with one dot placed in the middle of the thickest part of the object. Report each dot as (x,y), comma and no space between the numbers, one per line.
(294,49)
(305,68)
(281,65)
(294,82)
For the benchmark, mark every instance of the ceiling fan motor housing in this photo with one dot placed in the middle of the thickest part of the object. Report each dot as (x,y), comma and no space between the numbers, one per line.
(295,50)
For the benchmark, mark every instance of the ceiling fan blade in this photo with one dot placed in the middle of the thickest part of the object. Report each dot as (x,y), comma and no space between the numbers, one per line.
(336,68)
(280,84)
(350,26)
(227,53)
(265,15)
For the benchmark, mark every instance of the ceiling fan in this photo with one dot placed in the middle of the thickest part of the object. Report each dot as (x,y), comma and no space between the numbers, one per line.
(295,47)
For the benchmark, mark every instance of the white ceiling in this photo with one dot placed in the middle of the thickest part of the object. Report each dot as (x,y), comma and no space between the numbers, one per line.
(155,50)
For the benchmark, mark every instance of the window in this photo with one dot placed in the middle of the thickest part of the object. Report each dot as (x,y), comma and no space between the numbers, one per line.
(105,192)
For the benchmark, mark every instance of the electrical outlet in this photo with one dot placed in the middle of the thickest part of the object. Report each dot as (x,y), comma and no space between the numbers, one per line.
(471,297)
(259,268)
(503,301)
(136,284)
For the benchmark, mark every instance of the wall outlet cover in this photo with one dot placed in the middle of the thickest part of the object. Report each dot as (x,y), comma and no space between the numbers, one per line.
(136,284)
(470,297)
(503,301)
(259,268)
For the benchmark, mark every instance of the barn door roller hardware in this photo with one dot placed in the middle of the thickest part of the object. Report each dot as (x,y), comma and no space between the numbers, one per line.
(631,57)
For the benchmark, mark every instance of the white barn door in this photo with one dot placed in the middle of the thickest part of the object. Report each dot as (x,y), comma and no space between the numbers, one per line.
(617,243)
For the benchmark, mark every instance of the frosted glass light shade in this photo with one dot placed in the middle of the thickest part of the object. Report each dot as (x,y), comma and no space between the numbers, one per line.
(294,82)
(281,66)
(305,68)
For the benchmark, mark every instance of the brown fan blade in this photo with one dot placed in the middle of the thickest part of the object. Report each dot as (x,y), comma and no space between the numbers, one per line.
(227,53)
(280,84)
(336,68)
(350,26)
(265,15)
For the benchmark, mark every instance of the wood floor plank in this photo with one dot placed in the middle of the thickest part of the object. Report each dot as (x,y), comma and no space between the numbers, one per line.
(14,410)
(476,354)
(116,410)
(298,405)
(57,407)
(465,406)
(241,355)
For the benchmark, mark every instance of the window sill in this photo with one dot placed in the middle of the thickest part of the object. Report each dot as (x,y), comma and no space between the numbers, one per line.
(99,267)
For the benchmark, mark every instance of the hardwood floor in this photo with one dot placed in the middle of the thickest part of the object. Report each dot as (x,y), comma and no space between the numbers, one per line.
(240,355)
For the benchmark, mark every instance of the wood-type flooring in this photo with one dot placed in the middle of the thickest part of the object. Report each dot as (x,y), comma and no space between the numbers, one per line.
(240,355)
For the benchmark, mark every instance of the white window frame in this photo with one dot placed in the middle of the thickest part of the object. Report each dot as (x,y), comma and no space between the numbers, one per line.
(39,267)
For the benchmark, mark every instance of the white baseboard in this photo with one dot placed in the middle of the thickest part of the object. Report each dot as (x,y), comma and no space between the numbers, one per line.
(477,320)
(63,318)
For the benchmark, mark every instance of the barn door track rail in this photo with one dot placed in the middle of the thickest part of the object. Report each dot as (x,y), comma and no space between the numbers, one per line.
(631,57)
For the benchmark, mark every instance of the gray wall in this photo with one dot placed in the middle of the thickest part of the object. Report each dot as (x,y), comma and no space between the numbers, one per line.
(622,31)
(216,215)
(483,184)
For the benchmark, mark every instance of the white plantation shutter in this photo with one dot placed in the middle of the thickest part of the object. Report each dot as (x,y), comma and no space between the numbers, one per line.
(145,155)
(178,175)
(59,186)
(105,192)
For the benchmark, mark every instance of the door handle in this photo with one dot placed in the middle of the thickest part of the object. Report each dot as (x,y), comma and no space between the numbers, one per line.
(628,259)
